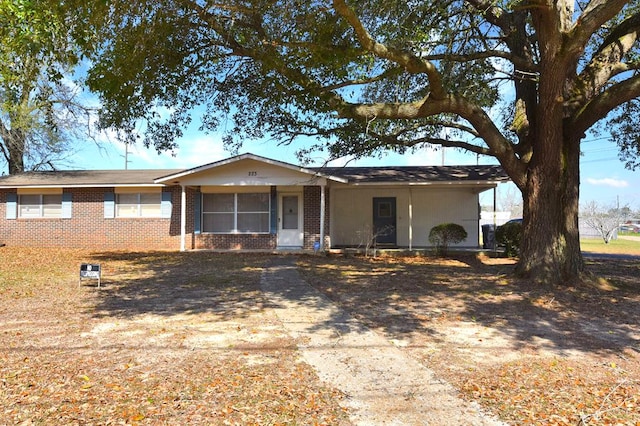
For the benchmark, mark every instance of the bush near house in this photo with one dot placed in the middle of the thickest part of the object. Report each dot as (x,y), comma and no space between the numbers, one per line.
(509,236)
(445,234)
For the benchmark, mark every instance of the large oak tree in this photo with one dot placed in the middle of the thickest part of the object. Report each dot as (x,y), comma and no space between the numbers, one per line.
(522,81)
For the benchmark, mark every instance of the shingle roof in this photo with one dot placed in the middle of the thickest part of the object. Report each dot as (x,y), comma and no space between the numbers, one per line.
(353,175)
(416,174)
(85,178)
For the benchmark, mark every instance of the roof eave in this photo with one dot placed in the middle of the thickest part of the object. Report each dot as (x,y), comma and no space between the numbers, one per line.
(84,185)
(199,169)
(430,183)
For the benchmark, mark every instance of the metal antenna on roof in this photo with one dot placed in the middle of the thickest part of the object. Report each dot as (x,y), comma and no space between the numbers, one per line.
(126,155)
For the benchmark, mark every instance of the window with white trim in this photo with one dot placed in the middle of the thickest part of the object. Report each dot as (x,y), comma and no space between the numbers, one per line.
(236,213)
(39,206)
(141,204)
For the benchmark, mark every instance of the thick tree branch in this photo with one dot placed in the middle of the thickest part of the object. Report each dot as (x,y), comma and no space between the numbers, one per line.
(513,28)
(446,143)
(494,14)
(500,147)
(5,136)
(606,63)
(600,106)
(630,25)
(410,62)
(526,71)
(597,13)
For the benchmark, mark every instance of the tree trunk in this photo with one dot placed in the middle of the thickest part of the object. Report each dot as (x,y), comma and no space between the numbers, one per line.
(16,147)
(550,248)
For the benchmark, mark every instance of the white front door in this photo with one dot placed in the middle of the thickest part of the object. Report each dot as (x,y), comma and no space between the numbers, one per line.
(290,232)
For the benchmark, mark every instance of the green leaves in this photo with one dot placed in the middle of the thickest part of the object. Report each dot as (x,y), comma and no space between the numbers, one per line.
(280,69)
(625,132)
(445,234)
(36,55)
(289,69)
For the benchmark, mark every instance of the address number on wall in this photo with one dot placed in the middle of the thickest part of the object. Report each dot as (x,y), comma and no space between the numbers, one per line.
(253,173)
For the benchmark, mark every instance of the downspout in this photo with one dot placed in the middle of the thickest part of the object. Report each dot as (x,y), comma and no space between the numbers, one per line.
(410,219)
(495,243)
(183,219)
(494,207)
(322,207)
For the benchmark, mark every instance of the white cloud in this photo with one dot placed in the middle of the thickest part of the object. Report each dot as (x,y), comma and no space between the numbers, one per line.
(424,157)
(203,149)
(614,183)
(191,152)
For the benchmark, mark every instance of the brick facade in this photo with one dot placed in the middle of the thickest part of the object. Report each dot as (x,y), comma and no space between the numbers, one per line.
(236,241)
(311,197)
(88,228)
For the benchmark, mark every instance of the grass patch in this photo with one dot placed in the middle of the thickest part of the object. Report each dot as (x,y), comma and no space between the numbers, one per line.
(619,246)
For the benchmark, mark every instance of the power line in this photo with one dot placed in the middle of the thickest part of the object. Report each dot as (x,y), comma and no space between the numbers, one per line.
(599,160)
(603,138)
(611,148)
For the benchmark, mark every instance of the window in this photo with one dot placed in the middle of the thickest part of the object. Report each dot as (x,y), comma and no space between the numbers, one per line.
(40,205)
(235,213)
(384,209)
(139,204)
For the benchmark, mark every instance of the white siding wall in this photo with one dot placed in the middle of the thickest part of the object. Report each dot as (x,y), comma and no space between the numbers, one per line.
(352,213)
(432,207)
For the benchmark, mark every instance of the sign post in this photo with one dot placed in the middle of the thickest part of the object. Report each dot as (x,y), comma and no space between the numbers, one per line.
(90,271)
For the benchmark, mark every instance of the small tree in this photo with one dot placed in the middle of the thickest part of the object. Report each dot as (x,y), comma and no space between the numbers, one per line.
(445,234)
(511,201)
(509,235)
(368,238)
(604,220)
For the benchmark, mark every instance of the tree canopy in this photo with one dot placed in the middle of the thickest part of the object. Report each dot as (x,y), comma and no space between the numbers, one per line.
(521,81)
(38,113)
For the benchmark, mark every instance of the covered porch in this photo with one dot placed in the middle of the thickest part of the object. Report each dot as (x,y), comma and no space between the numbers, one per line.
(252,203)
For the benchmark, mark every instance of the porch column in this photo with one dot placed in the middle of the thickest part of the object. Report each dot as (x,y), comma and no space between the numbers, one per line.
(322,206)
(183,219)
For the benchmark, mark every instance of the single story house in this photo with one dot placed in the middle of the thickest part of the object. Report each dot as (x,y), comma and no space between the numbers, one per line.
(241,203)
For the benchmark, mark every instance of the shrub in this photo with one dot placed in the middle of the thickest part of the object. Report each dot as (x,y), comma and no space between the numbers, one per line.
(509,236)
(443,235)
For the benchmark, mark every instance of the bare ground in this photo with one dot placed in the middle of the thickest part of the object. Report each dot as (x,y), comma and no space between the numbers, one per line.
(382,384)
(531,354)
(169,339)
(189,338)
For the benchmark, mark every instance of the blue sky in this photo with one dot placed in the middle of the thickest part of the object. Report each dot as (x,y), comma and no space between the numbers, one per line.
(603,176)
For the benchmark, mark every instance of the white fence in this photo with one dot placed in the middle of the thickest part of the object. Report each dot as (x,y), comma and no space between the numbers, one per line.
(487,218)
